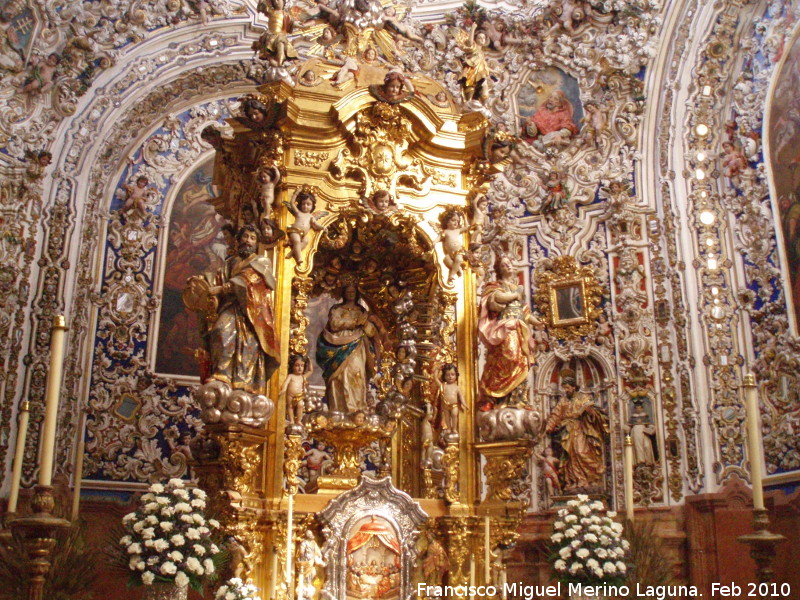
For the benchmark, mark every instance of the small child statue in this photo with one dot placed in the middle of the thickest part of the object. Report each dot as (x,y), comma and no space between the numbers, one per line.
(135,196)
(480,221)
(452,399)
(295,386)
(302,206)
(452,244)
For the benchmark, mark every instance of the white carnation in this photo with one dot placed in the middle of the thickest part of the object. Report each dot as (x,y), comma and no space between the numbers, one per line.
(175,555)
(199,493)
(125,540)
(199,549)
(596,505)
(592,564)
(558,525)
(584,510)
(198,519)
(597,571)
(162,500)
(570,519)
(169,568)
(192,533)
(183,507)
(151,520)
(214,523)
(181,579)
(582,553)
(575,567)
(198,503)
(183,494)
(194,565)
(601,553)
(621,567)
(591,538)
(609,567)
(140,566)
(160,545)
(167,525)
(178,539)
(148,578)
(557,537)
(565,552)
(167,511)
(129,517)
(576,543)
(560,565)
(135,548)
(583,498)
(208,565)
(570,533)
(213,549)
(151,507)
(175,483)
(157,488)
(611,514)
(148,533)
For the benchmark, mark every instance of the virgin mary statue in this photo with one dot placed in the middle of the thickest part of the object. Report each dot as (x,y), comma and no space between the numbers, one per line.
(347,350)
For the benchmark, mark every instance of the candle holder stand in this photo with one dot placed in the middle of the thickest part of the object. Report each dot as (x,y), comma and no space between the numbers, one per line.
(762,544)
(38,532)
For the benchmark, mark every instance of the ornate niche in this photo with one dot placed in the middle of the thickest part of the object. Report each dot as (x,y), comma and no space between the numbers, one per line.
(370,542)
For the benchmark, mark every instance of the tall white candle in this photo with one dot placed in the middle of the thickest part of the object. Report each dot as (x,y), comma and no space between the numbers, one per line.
(628,468)
(471,576)
(289,546)
(76,490)
(487,550)
(19,453)
(754,439)
(48,442)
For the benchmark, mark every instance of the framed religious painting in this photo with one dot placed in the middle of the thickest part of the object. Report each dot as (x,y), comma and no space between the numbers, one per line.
(568,297)
(567,302)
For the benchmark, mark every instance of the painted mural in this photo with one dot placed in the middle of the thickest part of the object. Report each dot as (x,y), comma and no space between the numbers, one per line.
(550,108)
(784,135)
(195,245)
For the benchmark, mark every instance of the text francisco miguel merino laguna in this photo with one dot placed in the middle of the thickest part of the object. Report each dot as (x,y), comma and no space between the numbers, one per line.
(531,592)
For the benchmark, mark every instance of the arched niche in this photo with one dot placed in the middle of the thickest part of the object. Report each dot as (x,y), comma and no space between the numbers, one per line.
(391,262)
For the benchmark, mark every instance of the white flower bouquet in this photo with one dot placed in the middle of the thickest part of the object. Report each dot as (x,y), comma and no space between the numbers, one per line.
(587,545)
(236,589)
(168,539)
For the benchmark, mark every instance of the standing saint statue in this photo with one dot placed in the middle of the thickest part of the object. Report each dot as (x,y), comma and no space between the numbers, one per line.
(309,557)
(504,327)
(585,428)
(242,342)
(348,350)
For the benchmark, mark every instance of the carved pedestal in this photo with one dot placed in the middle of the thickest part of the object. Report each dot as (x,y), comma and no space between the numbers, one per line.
(232,465)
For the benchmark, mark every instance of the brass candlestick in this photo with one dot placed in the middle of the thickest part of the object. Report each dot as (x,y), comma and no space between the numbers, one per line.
(37,532)
(762,545)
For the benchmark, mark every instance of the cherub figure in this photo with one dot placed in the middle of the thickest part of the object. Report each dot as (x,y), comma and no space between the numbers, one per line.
(254,112)
(36,163)
(382,202)
(452,399)
(540,337)
(603,334)
(302,206)
(295,386)
(426,437)
(594,120)
(268,178)
(395,88)
(556,194)
(43,74)
(549,465)
(480,220)
(392,23)
(733,161)
(440,99)
(452,243)
(135,196)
